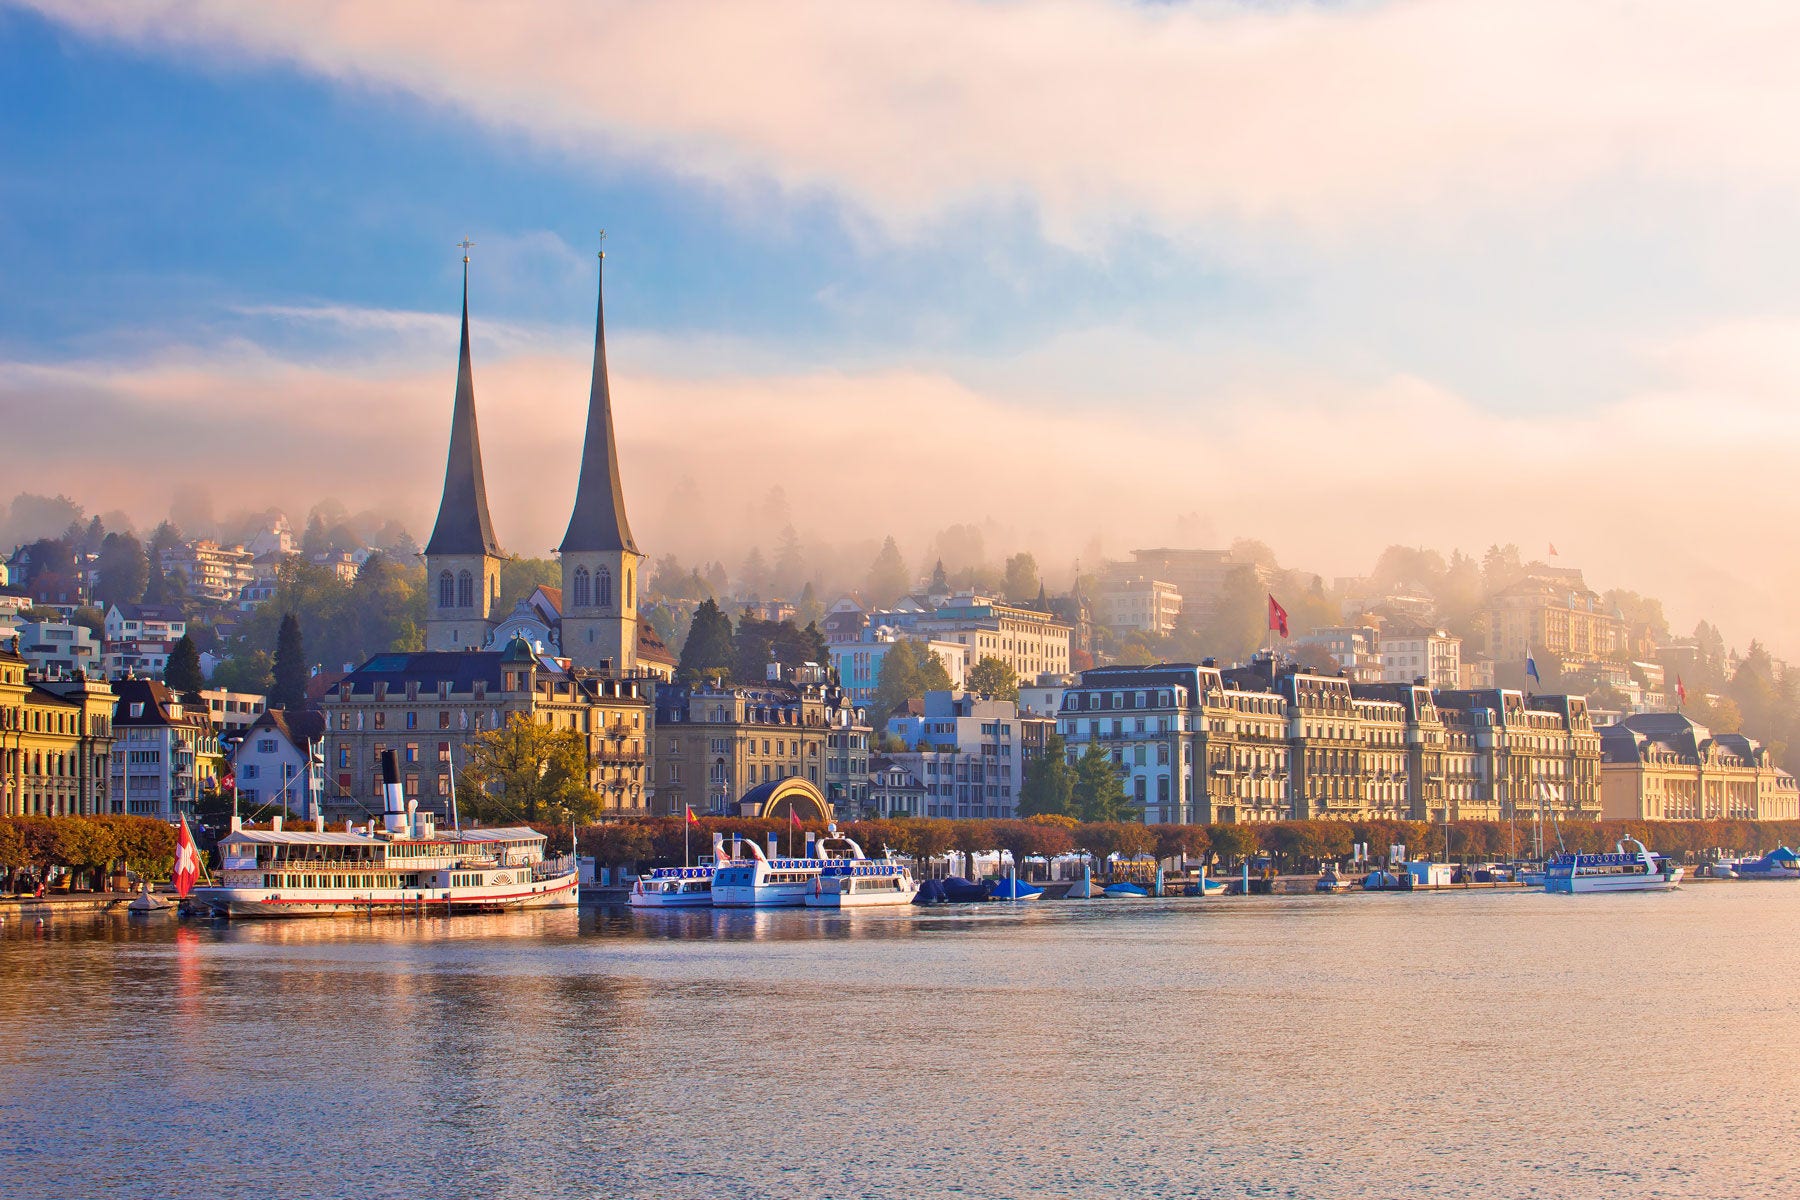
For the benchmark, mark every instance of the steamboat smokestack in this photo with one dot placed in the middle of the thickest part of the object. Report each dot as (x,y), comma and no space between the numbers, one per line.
(393,800)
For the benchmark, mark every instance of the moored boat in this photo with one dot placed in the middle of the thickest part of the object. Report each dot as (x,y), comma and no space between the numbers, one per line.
(680,887)
(404,866)
(1331,881)
(761,881)
(1013,888)
(1624,871)
(1127,891)
(1779,863)
(863,883)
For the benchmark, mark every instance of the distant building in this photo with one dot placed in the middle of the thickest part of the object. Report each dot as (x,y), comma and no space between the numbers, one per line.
(428,706)
(279,762)
(969,752)
(1409,653)
(894,791)
(1139,604)
(1198,575)
(55,741)
(1354,648)
(213,572)
(1667,767)
(60,649)
(1475,674)
(164,754)
(1552,611)
(145,622)
(715,743)
(232,712)
(858,663)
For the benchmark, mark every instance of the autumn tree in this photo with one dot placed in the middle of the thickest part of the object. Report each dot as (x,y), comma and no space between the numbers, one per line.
(527,771)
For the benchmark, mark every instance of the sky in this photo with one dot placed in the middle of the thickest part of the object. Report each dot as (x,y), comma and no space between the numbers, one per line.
(1332,276)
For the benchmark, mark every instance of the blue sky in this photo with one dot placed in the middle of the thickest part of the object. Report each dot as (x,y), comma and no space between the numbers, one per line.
(1082,272)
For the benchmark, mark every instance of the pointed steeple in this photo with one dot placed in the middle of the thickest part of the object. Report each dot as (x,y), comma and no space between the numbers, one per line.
(463,525)
(598,522)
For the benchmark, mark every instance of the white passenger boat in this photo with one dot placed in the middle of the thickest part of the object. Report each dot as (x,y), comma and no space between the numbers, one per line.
(681,887)
(863,883)
(404,866)
(1625,871)
(762,881)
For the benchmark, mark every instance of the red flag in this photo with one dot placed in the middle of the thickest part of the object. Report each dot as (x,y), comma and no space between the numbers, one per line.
(227,781)
(1552,549)
(1277,617)
(691,818)
(1680,690)
(794,818)
(187,860)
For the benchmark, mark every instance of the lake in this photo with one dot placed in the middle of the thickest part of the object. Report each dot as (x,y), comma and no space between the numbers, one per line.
(1494,1043)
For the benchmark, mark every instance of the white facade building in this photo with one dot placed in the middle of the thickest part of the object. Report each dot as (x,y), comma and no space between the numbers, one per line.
(1434,655)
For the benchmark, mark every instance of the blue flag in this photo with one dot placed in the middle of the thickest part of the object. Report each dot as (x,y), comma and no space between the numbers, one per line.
(1531,668)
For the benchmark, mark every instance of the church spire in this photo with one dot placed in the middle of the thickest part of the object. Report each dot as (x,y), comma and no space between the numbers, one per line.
(463,525)
(598,522)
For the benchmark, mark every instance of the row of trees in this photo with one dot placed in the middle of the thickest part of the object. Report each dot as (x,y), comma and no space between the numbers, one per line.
(715,650)
(89,848)
(1290,845)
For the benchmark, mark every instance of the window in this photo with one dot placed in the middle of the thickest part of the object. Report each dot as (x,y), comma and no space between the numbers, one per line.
(380,719)
(248,771)
(465,591)
(265,745)
(603,586)
(412,720)
(412,752)
(446,590)
(581,589)
(444,719)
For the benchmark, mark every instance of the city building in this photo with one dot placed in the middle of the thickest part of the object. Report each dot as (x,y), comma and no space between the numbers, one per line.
(1043,697)
(211,571)
(714,743)
(1534,755)
(1667,767)
(55,741)
(1410,652)
(60,649)
(1139,604)
(232,712)
(1552,611)
(280,763)
(858,663)
(428,706)
(847,748)
(144,622)
(164,754)
(970,752)
(1032,643)
(1354,648)
(894,791)
(142,657)
(1198,575)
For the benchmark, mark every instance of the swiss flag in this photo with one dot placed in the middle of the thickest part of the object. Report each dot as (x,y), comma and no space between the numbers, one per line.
(187,860)
(1680,690)
(1277,617)
(691,818)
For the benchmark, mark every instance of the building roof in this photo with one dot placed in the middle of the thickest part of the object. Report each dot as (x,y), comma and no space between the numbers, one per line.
(652,648)
(160,705)
(461,669)
(301,728)
(598,522)
(463,525)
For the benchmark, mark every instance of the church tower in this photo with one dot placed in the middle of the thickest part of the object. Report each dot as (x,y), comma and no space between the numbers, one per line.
(600,559)
(462,560)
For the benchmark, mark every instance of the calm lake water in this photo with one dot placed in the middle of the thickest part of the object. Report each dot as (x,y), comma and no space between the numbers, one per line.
(1496,1044)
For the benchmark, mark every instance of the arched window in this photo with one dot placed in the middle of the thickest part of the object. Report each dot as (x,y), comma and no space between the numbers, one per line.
(603,585)
(465,591)
(446,590)
(628,587)
(579,596)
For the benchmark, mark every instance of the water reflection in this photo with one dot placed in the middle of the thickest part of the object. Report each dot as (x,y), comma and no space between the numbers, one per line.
(1510,1044)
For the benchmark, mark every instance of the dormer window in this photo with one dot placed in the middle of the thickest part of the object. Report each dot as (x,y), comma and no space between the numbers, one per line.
(137,708)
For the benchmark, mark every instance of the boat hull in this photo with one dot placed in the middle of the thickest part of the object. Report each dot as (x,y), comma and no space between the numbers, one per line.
(768,895)
(863,899)
(666,900)
(1585,884)
(238,902)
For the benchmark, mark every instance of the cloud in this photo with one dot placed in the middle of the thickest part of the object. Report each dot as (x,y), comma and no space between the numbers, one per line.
(1095,114)
(1641,493)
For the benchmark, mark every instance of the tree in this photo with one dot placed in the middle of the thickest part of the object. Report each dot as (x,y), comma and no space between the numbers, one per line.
(124,569)
(245,671)
(182,673)
(708,649)
(995,678)
(1021,583)
(1049,785)
(888,577)
(527,771)
(1099,790)
(1231,842)
(908,671)
(290,671)
(91,619)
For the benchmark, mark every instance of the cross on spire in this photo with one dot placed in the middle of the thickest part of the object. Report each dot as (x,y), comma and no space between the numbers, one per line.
(603,243)
(464,245)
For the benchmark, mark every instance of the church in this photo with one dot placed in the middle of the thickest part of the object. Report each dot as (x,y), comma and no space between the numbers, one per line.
(592,621)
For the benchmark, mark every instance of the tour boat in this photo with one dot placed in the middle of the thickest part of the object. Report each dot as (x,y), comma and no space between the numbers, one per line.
(764,882)
(862,883)
(1779,863)
(1625,871)
(680,887)
(404,866)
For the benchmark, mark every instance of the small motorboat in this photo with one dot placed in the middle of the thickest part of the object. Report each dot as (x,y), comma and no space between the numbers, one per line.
(147,903)
(931,891)
(1205,887)
(1331,881)
(1012,888)
(1126,891)
(1779,863)
(958,890)
(1083,888)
